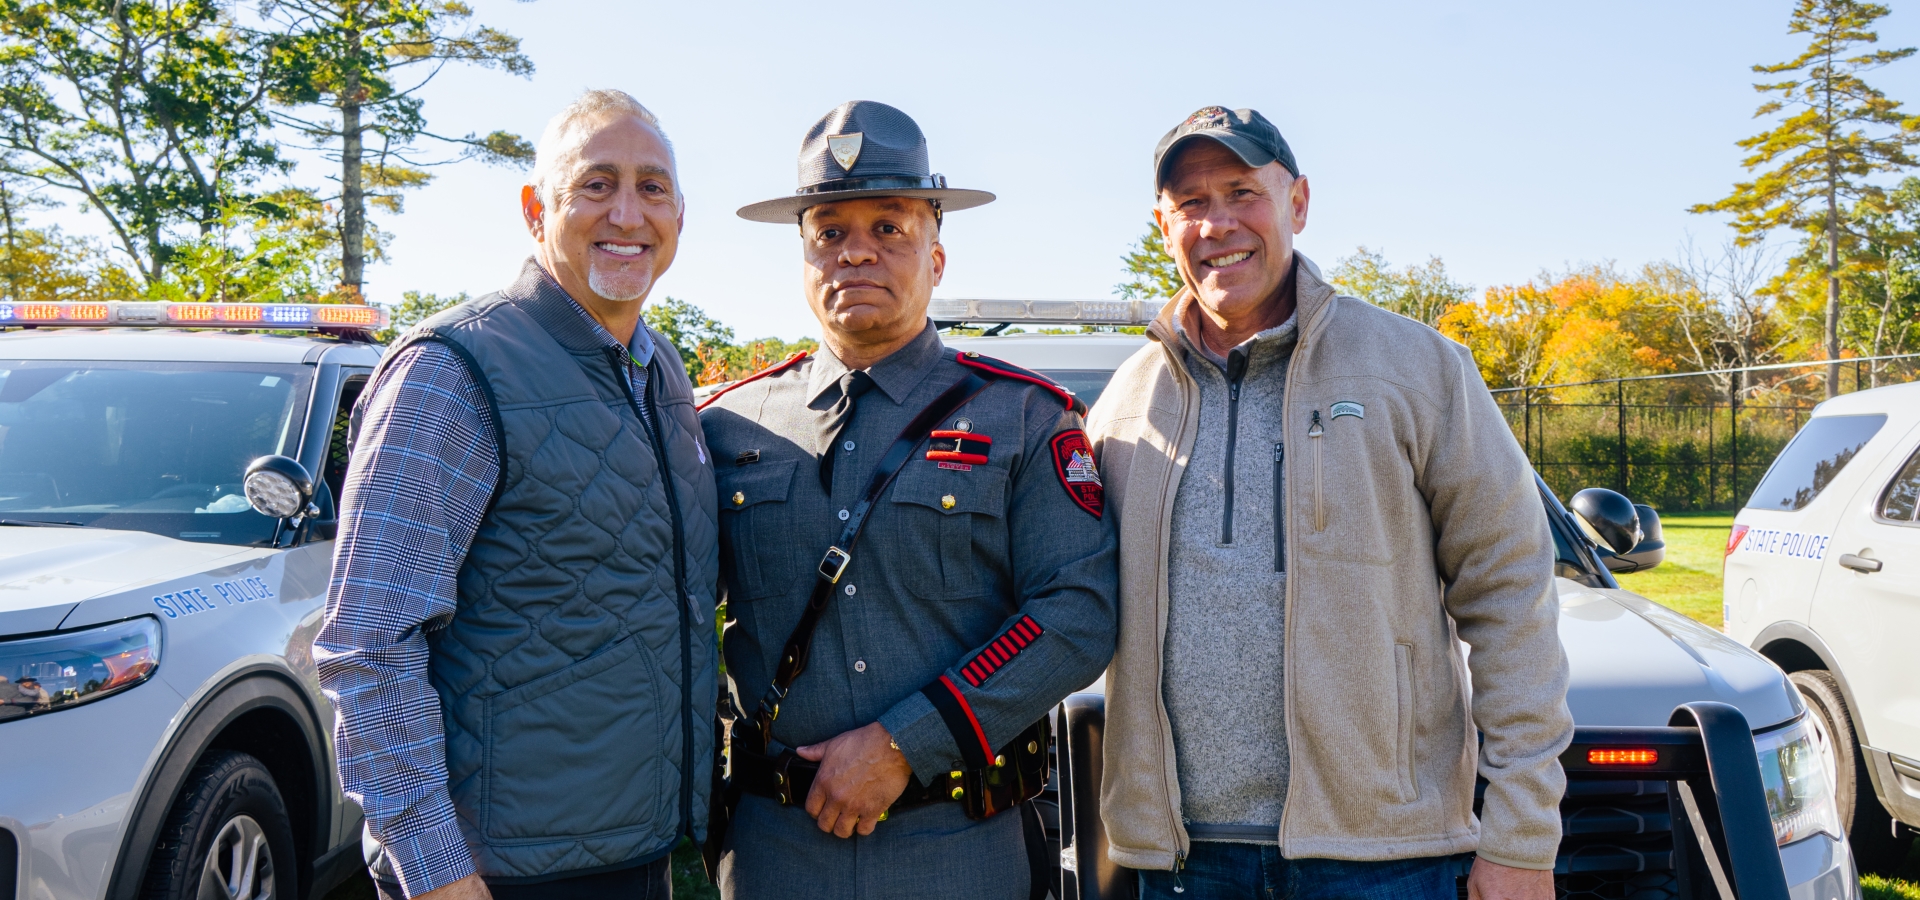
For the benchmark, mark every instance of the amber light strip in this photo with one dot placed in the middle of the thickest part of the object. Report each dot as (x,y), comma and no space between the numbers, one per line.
(1635,757)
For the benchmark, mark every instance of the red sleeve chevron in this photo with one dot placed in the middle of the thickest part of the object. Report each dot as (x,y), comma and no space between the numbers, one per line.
(1003,649)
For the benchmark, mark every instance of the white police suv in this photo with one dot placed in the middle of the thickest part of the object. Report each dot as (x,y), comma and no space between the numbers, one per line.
(1823,577)
(166,521)
(1694,770)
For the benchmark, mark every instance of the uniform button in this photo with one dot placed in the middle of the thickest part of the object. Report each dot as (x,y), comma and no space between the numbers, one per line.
(844,515)
(849,590)
(739,498)
(947,502)
(848,446)
(859,665)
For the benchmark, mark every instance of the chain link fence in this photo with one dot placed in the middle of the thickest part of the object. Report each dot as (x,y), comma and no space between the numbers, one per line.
(1687,441)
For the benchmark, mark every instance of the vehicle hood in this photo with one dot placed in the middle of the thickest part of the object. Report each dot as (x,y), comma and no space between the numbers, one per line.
(46,572)
(1633,661)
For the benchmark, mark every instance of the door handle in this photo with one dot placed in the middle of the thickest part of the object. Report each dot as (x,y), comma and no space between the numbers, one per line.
(1860,563)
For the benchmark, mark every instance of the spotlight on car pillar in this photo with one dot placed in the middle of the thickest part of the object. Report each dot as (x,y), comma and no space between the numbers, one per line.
(1608,518)
(279,487)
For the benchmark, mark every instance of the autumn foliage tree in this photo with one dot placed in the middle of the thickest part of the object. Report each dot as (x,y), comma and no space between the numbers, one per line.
(1819,160)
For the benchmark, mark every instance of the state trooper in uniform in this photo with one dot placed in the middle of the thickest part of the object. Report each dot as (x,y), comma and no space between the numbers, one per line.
(981,594)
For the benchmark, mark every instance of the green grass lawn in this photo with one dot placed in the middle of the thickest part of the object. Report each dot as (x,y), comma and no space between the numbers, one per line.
(1901,884)
(690,875)
(1688,581)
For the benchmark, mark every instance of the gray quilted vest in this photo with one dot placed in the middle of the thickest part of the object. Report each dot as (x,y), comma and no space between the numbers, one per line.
(577,676)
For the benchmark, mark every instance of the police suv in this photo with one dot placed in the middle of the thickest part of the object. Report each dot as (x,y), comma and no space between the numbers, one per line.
(1823,577)
(166,522)
(1696,768)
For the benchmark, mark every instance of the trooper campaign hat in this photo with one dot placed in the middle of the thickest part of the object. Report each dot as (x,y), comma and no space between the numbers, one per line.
(1244,131)
(863,149)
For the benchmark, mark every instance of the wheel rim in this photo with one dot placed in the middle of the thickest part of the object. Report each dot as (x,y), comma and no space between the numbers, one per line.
(1823,742)
(239,863)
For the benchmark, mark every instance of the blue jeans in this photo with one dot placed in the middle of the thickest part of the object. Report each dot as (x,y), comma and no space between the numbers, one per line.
(1221,871)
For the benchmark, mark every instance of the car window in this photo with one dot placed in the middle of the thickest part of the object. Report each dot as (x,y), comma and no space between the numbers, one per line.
(158,447)
(1897,503)
(1084,383)
(1812,460)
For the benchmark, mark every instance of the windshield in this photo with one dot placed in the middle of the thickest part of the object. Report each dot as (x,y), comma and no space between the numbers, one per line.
(157,447)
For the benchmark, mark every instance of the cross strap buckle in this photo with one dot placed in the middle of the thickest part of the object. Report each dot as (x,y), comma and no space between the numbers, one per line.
(834,563)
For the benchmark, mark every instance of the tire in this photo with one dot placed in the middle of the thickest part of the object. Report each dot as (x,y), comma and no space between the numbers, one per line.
(227,837)
(1869,827)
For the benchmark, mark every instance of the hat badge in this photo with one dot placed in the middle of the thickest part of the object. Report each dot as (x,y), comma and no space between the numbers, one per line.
(845,148)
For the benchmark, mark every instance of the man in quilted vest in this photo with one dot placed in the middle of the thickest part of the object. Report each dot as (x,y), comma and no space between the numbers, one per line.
(517,638)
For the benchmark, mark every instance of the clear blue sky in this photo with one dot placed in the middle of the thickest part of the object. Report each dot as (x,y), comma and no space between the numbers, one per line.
(1504,137)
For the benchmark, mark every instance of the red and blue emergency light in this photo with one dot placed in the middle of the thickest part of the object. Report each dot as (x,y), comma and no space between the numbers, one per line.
(140,314)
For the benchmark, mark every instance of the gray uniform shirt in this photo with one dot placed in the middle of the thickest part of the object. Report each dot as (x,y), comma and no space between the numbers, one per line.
(955,558)
(1227,593)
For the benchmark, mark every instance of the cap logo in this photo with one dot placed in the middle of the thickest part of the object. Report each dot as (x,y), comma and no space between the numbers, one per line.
(845,148)
(1211,115)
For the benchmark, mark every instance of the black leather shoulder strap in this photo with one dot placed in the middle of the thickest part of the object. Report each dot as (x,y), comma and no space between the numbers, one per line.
(793,657)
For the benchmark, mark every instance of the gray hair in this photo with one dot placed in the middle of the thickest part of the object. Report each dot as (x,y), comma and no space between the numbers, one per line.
(596,104)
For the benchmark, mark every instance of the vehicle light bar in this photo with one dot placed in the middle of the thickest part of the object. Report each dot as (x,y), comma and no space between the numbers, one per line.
(1616,756)
(1046,312)
(142,314)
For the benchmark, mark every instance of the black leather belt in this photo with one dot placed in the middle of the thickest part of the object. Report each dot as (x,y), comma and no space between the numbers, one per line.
(1018,772)
(787,778)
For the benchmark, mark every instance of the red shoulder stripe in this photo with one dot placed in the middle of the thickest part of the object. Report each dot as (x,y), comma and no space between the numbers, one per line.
(1002,369)
(776,367)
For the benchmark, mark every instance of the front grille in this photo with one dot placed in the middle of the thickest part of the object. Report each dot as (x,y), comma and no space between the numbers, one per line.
(1616,842)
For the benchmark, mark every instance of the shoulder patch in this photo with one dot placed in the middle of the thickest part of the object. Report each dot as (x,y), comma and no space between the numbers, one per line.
(1073,461)
(782,365)
(1002,369)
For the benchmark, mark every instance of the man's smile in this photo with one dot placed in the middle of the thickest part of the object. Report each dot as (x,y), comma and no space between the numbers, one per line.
(625,251)
(1227,260)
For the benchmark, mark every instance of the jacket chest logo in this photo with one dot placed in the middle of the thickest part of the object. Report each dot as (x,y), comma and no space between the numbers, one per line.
(1349,408)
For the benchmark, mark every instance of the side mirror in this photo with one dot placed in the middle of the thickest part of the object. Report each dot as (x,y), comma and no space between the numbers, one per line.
(1651,550)
(1608,518)
(279,487)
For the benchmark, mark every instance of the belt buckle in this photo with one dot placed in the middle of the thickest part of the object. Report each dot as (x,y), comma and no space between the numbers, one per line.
(834,563)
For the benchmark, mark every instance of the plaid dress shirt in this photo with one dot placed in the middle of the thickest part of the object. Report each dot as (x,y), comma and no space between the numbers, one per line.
(423,471)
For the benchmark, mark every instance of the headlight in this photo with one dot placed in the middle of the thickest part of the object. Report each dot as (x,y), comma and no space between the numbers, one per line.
(57,671)
(1799,789)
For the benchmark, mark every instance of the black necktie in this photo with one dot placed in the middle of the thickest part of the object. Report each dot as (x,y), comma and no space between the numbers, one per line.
(852,385)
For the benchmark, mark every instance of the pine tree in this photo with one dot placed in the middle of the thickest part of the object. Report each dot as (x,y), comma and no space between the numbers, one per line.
(367,60)
(1151,269)
(1838,132)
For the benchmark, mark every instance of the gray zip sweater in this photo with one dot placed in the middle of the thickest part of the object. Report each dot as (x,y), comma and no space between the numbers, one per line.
(1226,584)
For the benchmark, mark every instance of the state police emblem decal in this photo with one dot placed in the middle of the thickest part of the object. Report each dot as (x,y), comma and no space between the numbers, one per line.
(1073,460)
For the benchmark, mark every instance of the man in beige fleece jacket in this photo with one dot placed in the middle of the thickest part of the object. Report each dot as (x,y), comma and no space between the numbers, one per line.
(1317,500)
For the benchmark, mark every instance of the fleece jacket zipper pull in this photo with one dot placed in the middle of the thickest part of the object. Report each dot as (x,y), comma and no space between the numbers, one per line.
(1236,372)
(1279,508)
(1315,430)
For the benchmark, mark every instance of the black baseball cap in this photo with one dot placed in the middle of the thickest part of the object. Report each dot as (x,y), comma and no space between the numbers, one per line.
(1244,131)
